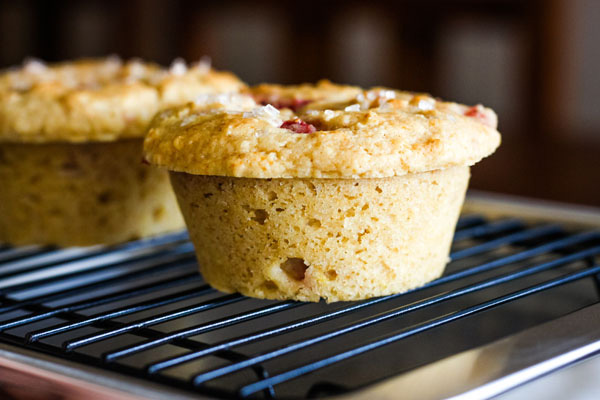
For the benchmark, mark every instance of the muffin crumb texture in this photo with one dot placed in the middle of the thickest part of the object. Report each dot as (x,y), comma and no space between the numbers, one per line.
(81,194)
(307,239)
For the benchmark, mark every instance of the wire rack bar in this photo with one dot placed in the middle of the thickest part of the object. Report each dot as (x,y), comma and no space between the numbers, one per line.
(121,312)
(528,234)
(210,326)
(182,266)
(72,269)
(181,312)
(100,300)
(488,229)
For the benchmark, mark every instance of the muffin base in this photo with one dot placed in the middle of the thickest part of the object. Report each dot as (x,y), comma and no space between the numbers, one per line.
(81,194)
(307,239)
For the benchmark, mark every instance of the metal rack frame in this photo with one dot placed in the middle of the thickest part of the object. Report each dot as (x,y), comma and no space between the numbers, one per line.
(62,366)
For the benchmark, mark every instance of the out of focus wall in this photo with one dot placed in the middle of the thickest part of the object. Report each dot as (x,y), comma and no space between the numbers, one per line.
(535,62)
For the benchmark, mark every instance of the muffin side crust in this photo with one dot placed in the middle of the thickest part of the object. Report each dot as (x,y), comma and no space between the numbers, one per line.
(71,194)
(307,239)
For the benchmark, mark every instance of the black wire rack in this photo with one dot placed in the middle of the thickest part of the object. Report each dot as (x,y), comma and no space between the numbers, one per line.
(141,309)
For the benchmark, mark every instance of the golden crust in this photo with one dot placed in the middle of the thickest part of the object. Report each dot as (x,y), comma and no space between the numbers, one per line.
(299,95)
(377,133)
(97,100)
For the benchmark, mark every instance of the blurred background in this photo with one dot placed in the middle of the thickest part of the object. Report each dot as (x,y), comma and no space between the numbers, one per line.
(537,63)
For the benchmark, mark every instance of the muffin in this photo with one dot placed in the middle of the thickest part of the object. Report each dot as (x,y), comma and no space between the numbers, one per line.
(356,200)
(71,149)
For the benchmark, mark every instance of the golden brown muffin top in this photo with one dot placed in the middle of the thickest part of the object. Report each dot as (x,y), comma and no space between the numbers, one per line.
(296,97)
(376,133)
(97,99)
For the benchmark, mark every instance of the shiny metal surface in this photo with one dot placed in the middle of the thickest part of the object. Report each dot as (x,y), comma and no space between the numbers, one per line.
(495,205)
(41,377)
(490,370)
